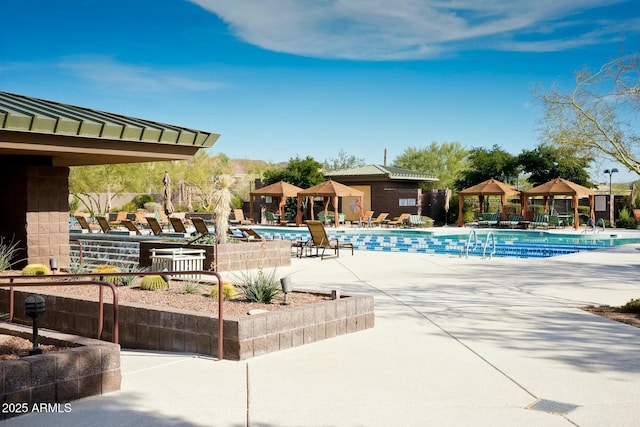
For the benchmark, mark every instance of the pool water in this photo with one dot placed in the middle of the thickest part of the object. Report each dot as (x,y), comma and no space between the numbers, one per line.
(466,242)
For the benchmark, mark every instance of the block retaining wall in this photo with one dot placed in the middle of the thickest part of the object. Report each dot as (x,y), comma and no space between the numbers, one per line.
(90,368)
(167,329)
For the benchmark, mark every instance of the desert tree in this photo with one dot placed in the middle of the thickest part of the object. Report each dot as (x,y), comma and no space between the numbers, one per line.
(600,114)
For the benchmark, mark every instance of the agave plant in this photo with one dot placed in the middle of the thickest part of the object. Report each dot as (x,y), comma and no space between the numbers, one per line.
(259,287)
(8,251)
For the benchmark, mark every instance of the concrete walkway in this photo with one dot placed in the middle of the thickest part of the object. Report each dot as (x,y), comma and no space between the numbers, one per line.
(457,342)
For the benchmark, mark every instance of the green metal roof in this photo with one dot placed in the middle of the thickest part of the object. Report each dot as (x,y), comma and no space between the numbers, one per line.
(74,136)
(389,172)
(27,114)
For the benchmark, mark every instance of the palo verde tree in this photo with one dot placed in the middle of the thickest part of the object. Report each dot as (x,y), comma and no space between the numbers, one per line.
(343,161)
(546,162)
(600,114)
(445,161)
(485,164)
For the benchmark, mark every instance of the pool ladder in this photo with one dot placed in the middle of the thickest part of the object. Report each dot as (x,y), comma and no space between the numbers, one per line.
(593,225)
(472,244)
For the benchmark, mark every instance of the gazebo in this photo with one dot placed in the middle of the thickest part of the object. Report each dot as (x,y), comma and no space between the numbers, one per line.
(279,189)
(330,191)
(491,187)
(562,187)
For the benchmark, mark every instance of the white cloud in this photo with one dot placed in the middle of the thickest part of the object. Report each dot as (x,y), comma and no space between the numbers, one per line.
(110,73)
(408,29)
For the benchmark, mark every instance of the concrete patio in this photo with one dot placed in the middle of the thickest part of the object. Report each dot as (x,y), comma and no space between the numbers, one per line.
(464,342)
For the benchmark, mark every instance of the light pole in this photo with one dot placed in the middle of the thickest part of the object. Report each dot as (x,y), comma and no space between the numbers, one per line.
(610,172)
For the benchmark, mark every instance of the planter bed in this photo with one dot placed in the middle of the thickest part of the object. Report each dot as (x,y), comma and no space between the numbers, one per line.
(167,329)
(91,367)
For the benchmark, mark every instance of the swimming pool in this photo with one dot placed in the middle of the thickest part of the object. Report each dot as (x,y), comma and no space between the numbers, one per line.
(467,242)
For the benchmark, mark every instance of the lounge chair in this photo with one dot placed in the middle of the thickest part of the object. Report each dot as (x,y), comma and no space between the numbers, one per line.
(104,224)
(250,233)
(155,226)
(512,222)
(367,218)
(380,219)
(122,215)
(415,221)
(201,229)
(84,224)
(320,240)
(239,215)
(488,219)
(129,225)
(178,225)
(540,220)
(401,220)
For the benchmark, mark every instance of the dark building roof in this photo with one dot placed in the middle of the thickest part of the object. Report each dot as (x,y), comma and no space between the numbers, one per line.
(73,135)
(381,172)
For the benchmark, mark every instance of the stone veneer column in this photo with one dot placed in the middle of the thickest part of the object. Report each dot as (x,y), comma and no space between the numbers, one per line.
(34,210)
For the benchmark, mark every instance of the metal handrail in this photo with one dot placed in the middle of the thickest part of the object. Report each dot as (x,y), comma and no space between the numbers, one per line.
(473,234)
(101,276)
(491,237)
(12,284)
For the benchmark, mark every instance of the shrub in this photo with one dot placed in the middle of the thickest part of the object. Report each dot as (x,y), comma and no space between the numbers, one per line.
(190,287)
(8,251)
(259,287)
(36,270)
(153,283)
(77,267)
(625,219)
(141,199)
(108,268)
(153,207)
(228,291)
(633,306)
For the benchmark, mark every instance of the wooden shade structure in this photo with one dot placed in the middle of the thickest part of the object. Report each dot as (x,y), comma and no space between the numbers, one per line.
(330,191)
(562,187)
(280,189)
(491,187)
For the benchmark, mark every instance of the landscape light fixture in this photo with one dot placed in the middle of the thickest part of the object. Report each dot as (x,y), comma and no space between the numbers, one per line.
(34,307)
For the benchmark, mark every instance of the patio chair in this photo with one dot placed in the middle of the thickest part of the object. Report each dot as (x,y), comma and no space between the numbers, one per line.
(401,220)
(201,229)
(239,215)
(320,240)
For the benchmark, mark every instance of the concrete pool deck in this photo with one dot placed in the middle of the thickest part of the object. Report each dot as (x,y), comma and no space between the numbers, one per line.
(457,341)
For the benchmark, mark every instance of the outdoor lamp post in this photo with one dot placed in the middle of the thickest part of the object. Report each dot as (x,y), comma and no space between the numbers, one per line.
(34,306)
(610,172)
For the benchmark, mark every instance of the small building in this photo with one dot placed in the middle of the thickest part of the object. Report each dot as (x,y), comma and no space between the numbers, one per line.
(40,140)
(386,188)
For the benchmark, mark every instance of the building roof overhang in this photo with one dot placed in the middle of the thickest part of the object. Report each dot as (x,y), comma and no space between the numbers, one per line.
(75,136)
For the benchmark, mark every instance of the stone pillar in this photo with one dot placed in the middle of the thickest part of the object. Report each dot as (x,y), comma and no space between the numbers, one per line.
(34,210)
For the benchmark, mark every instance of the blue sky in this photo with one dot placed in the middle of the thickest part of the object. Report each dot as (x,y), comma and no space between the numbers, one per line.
(285,78)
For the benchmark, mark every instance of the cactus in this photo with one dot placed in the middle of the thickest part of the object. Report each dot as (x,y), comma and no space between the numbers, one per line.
(153,283)
(228,291)
(108,268)
(36,270)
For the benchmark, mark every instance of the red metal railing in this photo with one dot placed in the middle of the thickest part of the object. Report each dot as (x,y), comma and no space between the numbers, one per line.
(103,283)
